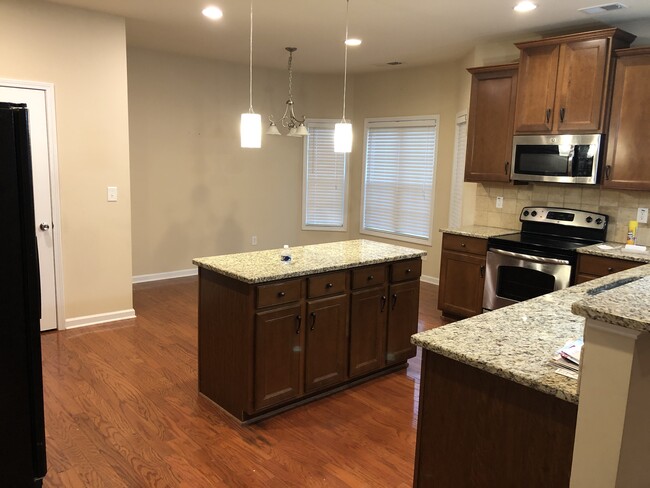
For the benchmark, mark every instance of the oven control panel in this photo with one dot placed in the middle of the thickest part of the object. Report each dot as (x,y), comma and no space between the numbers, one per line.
(564,216)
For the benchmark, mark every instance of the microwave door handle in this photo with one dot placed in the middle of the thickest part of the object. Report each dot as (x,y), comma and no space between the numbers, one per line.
(528,257)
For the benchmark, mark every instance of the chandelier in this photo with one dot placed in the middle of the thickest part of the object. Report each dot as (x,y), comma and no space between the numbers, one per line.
(289,120)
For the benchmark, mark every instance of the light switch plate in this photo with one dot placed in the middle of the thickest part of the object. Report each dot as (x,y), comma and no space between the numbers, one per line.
(499,202)
(111,194)
(642,215)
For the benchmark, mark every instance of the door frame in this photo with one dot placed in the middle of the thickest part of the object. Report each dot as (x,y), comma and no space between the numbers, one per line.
(48,88)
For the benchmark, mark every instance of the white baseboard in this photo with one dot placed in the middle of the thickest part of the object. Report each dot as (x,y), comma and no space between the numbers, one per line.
(182,273)
(100,318)
(430,279)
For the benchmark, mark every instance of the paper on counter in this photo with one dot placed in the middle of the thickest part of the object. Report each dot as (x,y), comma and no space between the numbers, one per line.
(634,248)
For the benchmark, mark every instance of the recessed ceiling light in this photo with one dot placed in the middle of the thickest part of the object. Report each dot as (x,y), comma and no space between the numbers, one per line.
(212,12)
(353,42)
(525,6)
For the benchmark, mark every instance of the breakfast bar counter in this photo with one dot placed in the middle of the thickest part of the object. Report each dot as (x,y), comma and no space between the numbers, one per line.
(273,334)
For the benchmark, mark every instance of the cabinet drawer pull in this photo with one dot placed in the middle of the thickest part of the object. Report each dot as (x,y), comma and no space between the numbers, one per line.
(313,320)
(371,277)
(408,270)
(562,110)
(394,301)
(482,271)
(383,303)
(281,294)
(609,270)
(329,285)
(462,244)
(298,323)
(548,115)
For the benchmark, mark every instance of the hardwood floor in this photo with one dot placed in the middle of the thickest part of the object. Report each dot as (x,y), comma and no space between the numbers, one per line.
(122,410)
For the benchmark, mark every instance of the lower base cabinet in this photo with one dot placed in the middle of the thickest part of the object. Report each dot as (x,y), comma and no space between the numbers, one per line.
(592,267)
(264,347)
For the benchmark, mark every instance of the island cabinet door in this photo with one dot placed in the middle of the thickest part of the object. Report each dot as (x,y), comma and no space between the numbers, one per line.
(368,311)
(278,355)
(326,348)
(402,321)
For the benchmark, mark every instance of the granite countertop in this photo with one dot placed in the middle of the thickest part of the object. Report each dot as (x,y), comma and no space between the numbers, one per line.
(263,266)
(480,231)
(617,251)
(516,342)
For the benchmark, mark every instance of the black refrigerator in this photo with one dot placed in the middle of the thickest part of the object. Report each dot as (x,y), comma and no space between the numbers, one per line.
(22,425)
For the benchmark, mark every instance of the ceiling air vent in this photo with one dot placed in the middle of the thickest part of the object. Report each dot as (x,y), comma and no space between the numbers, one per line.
(601,9)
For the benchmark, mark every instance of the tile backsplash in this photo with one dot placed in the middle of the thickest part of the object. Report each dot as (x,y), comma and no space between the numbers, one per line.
(620,206)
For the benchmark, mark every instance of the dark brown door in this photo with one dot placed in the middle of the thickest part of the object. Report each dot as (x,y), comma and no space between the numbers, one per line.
(277,355)
(491,119)
(536,89)
(326,348)
(402,321)
(461,284)
(581,86)
(367,330)
(628,157)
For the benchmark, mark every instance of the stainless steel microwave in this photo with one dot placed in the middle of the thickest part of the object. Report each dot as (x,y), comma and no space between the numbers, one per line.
(556,158)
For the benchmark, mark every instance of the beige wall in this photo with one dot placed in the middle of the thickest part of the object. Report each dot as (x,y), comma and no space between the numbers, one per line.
(83,54)
(195,191)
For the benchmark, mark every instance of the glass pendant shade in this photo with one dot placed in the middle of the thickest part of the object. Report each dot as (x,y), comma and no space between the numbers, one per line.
(343,137)
(302,130)
(251,130)
(273,130)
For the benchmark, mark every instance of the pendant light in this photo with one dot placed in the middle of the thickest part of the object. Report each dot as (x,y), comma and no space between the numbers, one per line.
(289,120)
(251,123)
(343,130)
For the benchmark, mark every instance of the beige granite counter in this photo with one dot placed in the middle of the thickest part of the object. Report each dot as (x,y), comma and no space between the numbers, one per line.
(480,231)
(516,342)
(616,250)
(263,266)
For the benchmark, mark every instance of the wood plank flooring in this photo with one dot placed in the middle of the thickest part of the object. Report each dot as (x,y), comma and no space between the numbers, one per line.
(122,410)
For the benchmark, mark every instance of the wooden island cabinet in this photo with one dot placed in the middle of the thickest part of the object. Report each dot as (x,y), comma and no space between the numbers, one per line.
(273,334)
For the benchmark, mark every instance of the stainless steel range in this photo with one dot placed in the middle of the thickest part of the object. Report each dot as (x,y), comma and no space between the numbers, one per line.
(542,257)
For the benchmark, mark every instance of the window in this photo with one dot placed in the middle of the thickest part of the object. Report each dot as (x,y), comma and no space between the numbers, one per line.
(398,178)
(458,172)
(324,180)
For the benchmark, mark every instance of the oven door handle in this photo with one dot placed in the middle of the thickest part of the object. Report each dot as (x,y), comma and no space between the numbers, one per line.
(528,257)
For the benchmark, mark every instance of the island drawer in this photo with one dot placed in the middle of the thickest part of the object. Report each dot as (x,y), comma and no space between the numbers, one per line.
(602,266)
(368,276)
(473,245)
(278,293)
(405,270)
(326,284)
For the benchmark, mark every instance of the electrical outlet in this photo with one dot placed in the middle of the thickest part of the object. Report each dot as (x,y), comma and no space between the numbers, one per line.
(254,240)
(499,202)
(642,215)
(111,194)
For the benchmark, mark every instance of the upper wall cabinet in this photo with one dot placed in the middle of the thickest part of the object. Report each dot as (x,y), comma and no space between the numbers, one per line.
(564,82)
(627,164)
(491,116)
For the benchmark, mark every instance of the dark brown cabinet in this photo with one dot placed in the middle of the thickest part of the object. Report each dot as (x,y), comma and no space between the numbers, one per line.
(564,81)
(462,275)
(264,347)
(326,348)
(278,337)
(627,164)
(592,267)
(490,124)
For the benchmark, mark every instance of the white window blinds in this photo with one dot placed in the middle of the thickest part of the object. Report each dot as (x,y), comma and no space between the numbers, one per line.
(398,177)
(325,179)
(458,172)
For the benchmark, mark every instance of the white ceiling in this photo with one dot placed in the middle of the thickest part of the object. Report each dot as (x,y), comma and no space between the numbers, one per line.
(415,32)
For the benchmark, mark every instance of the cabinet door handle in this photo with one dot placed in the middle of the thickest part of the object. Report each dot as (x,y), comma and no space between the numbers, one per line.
(507,166)
(313,320)
(562,110)
(408,270)
(394,301)
(281,294)
(482,271)
(383,303)
(608,171)
(548,115)
(298,323)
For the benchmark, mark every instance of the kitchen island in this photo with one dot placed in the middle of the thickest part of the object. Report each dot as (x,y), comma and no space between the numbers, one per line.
(493,411)
(273,334)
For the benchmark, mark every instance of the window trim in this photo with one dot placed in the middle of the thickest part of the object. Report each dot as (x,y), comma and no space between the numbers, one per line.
(346,192)
(390,122)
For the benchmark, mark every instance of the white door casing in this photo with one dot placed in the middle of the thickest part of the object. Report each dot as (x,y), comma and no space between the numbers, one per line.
(39,98)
